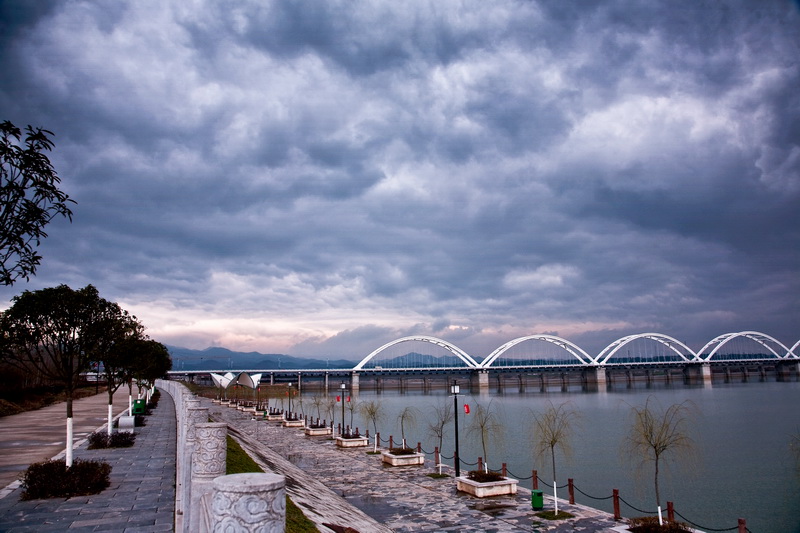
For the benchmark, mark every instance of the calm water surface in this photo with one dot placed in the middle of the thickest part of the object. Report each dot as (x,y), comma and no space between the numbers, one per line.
(743,465)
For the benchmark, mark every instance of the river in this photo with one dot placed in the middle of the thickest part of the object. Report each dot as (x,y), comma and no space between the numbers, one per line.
(742,464)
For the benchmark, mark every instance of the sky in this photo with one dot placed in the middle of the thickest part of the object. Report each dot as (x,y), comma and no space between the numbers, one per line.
(321,178)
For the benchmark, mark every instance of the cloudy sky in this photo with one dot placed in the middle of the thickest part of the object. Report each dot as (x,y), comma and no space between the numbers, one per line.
(319,178)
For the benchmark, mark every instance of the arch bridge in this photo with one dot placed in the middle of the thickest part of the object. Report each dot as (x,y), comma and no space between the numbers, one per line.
(548,359)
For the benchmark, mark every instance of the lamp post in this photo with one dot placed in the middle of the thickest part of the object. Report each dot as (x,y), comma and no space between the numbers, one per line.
(290,398)
(343,388)
(454,389)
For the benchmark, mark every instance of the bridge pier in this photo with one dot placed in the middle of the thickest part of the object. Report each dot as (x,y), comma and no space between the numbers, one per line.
(698,373)
(521,383)
(483,380)
(785,370)
(354,384)
(595,378)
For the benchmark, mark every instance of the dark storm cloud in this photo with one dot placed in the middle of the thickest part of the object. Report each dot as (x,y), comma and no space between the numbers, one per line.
(322,179)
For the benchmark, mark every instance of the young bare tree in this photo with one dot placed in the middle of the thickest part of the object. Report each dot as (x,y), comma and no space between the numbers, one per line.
(443,415)
(351,406)
(373,412)
(487,426)
(407,417)
(657,435)
(552,431)
(317,402)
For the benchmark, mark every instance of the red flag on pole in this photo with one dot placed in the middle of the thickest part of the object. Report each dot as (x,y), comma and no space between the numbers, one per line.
(348,399)
(466,408)
(338,399)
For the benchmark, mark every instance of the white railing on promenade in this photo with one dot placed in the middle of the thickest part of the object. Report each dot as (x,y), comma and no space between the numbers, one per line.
(205,498)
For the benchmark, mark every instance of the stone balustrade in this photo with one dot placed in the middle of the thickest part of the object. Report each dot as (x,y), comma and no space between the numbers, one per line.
(205,498)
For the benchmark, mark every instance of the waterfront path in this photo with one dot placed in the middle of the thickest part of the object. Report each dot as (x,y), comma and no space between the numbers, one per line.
(325,480)
(141,497)
(41,434)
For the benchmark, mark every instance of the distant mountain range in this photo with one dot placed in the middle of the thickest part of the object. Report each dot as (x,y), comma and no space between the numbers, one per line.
(223,359)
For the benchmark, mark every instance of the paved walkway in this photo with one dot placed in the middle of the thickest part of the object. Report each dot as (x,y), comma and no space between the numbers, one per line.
(141,497)
(333,486)
(39,435)
(326,481)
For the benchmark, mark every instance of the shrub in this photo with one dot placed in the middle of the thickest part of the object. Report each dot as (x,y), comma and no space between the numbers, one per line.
(120,439)
(98,440)
(139,421)
(52,479)
(402,451)
(649,524)
(484,477)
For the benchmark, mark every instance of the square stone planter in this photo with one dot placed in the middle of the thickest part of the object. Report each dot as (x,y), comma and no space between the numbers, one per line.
(410,459)
(352,443)
(274,418)
(294,423)
(314,432)
(490,488)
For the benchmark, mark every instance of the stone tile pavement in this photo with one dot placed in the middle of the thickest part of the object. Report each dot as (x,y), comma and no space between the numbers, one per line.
(141,497)
(324,479)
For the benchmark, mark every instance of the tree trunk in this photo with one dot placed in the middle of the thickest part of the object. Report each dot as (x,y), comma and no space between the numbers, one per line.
(555,486)
(68,456)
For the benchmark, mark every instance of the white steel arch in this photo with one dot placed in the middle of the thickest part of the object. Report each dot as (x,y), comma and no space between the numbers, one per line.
(670,342)
(578,352)
(793,351)
(760,338)
(452,348)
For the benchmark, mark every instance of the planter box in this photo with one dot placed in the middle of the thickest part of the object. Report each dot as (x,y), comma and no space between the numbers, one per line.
(294,423)
(352,443)
(319,431)
(274,418)
(490,488)
(410,459)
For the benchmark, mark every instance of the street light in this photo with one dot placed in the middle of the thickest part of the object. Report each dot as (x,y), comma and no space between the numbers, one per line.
(454,390)
(343,388)
(290,399)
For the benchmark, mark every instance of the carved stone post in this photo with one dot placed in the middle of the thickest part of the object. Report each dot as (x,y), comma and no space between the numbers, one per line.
(194,416)
(249,503)
(208,462)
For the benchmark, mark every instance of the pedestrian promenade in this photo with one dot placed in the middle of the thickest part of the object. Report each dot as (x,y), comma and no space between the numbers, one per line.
(335,488)
(325,480)
(39,435)
(141,497)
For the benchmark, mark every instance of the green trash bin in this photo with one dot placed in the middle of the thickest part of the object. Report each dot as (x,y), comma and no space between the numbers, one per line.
(138,407)
(537,500)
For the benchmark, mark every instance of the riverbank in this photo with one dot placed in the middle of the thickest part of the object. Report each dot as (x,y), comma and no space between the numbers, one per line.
(326,481)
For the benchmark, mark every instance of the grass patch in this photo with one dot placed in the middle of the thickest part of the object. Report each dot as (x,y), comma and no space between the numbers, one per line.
(551,515)
(238,462)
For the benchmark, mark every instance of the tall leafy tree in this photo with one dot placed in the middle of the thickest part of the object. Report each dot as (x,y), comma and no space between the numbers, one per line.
(149,359)
(50,331)
(29,199)
(658,434)
(111,329)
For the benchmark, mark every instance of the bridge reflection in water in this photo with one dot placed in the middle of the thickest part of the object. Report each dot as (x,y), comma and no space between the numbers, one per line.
(544,362)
